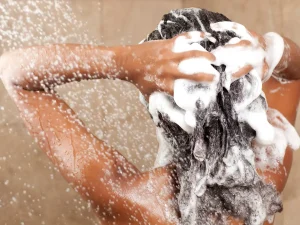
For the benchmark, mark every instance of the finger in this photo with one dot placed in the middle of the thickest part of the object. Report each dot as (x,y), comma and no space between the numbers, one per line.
(169,88)
(237,28)
(243,71)
(196,54)
(237,57)
(254,34)
(194,66)
(241,43)
(190,41)
(199,77)
(192,36)
(183,42)
(183,46)
(265,71)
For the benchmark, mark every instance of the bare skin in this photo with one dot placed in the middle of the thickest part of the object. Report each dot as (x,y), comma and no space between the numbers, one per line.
(118,191)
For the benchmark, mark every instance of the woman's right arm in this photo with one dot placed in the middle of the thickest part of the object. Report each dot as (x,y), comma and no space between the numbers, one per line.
(152,66)
(100,173)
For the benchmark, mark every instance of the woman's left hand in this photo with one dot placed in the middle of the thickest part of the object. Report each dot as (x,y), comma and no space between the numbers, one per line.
(154,66)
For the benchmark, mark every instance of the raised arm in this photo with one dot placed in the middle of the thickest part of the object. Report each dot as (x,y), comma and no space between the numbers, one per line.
(100,173)
(93,168)
(40,68)
(152,66)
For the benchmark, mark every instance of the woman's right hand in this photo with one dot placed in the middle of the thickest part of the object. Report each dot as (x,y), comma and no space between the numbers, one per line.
(154,66)
(250,52)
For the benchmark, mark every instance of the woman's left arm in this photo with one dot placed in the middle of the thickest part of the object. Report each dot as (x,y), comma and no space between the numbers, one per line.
(289,65)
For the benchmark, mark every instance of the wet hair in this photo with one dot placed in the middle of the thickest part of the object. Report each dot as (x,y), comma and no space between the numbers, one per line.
(208,192)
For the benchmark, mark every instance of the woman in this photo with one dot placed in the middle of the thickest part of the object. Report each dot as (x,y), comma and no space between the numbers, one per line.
(119,193)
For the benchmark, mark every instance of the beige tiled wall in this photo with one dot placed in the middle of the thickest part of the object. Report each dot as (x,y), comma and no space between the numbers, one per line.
(31,190)
(131,21)
(261,16)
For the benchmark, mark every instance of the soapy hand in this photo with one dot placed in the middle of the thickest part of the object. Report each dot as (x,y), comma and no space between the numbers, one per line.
(245,54)
(157,64)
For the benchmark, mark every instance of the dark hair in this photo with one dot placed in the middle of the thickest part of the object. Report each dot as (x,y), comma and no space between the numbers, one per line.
(199,157)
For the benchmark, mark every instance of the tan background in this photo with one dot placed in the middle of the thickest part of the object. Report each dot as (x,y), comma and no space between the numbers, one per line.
(31,190)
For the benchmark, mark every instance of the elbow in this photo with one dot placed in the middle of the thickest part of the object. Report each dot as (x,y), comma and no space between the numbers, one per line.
(7,70)
(11,72)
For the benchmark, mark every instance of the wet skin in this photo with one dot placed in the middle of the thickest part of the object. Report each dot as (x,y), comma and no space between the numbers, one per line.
(118,191)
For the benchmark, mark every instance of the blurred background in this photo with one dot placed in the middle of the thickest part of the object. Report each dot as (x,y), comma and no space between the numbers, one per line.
(31,190)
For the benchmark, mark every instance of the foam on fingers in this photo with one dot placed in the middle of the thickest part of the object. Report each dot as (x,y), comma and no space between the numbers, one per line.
(190,67)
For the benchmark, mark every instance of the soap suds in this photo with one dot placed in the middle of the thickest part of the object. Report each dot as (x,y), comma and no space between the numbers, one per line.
(163,103)
(275,49)
(280,122)
(217,132)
